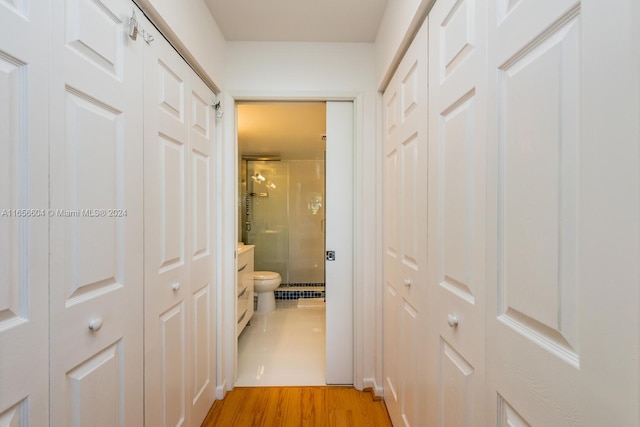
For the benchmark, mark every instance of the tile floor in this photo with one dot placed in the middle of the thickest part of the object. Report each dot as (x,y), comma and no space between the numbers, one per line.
(284,347)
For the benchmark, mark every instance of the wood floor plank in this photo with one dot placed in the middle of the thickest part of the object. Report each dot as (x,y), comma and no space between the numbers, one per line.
(330,406)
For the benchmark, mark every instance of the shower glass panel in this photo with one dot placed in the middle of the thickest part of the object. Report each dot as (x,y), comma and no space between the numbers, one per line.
(268,217)
(306,222)
(285,215)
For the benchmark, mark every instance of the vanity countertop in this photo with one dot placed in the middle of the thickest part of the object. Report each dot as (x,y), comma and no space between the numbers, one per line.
(243,248)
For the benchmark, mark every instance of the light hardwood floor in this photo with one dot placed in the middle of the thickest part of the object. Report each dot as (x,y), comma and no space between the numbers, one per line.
(297,406)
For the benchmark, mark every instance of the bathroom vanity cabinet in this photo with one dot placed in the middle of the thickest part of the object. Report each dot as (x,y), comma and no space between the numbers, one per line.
(244,287)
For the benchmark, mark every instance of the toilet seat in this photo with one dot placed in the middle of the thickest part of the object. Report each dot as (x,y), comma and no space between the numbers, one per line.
(265,275)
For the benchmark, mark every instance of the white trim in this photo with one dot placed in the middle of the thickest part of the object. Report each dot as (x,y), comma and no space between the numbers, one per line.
(228,153)
(371,383)
(227,244)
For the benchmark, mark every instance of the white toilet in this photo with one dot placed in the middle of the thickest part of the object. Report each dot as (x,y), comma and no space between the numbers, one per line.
(264,283)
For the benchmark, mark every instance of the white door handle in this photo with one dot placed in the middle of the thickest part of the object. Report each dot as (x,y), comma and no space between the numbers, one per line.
(452,320)
(95,324)
(407,282)
(176,286)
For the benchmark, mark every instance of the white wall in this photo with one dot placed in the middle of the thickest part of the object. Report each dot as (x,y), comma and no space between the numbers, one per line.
(188,24)
(280,67)
(400,22)
(268,70)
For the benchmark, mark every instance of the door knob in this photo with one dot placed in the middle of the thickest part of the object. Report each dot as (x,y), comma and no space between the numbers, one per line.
(407,282)
(176,286)
(452,320)
(95,324)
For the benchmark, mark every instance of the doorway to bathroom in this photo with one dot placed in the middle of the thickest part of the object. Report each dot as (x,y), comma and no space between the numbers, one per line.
(282,206)
(281,148)
(282,183)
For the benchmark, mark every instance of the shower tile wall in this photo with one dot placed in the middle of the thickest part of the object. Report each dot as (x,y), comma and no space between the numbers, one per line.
(287,218)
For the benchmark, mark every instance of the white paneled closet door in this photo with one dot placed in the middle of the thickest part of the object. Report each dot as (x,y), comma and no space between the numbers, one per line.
(166,246)
(562,319)
(533,351)
(24,199)
(96,226)
(202,347)
(179,305)
(457,213)
(405,248)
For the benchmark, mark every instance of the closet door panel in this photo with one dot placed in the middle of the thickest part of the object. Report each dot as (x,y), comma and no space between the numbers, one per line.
(167,252)
(24,202)
(96,221)
(203,345)
(457,168)
(563,227)
(533,333)
(405,224)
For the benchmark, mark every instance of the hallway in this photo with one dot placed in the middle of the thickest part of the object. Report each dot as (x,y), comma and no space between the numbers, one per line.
(298,406)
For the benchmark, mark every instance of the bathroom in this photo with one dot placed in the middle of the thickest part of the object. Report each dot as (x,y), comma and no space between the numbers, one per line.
(281,196)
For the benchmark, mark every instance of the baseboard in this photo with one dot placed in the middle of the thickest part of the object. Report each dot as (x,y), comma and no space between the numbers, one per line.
(221,391)
(370,385)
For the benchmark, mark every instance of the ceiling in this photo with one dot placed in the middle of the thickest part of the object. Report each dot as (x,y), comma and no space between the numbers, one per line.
(298,20)
(292,130)
(289,130)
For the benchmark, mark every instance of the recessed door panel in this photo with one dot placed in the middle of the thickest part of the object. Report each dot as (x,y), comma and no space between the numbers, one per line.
(410,200)
(19,7)
(14,289)
(409,384)
(201,213)
(96,389)
(202,337)
(391,114)
(410,88)
(391,326)
(509,417)
(457,126)
(200,114)
(172,199)
(392,200)
(171,91)
(174,382)
(95,249)
(457,36)
(94,33)
(17,415)
(539,104)
(456,390)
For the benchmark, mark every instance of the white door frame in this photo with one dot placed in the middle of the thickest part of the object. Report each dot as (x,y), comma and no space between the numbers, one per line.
(227,173)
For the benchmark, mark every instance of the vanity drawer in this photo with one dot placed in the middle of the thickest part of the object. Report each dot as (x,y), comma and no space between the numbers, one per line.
(244,288)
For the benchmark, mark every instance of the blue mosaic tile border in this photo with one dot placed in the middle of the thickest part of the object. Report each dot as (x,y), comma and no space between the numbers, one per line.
(312,285)
(292,295)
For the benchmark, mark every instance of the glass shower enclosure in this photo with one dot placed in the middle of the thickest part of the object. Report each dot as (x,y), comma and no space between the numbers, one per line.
(284,218)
